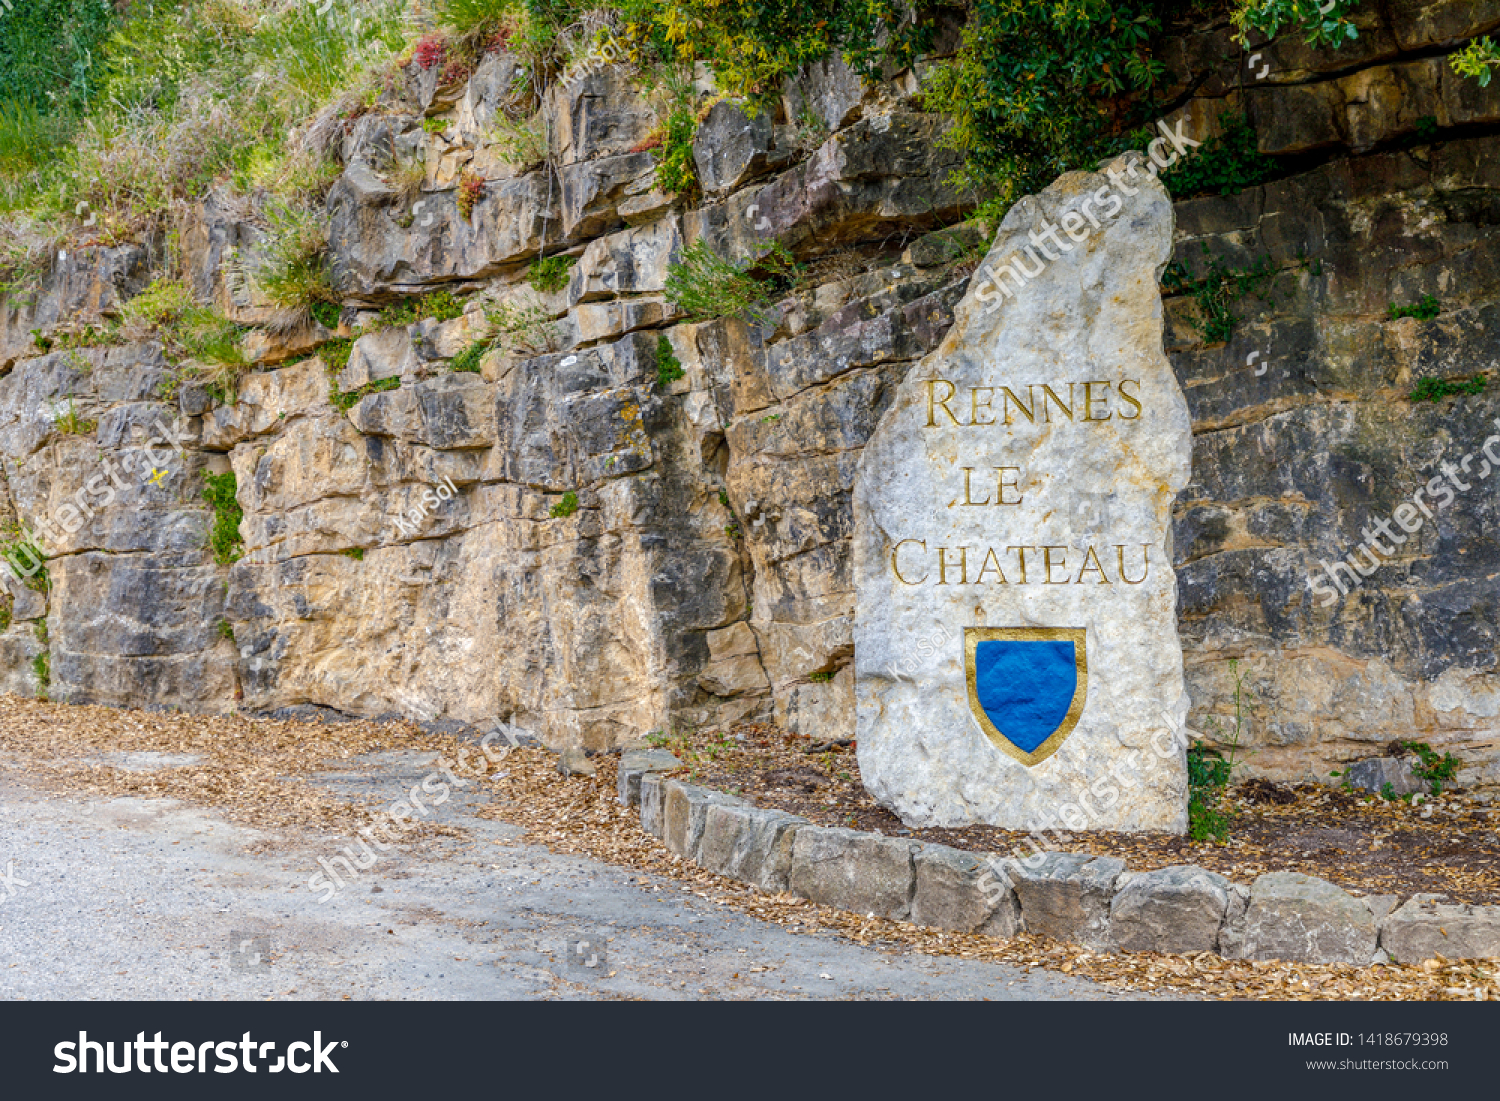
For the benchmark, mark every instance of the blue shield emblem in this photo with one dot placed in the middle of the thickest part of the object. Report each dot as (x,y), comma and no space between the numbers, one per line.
(1027,686)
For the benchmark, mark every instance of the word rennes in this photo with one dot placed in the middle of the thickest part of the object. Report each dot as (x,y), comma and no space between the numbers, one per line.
(1045,566)
(1089,402)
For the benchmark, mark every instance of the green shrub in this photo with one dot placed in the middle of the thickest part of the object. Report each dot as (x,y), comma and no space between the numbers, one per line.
(71,424)
(224,533)
(356,553)
(676,172)
(1431,389)
(1424,309)
(550,275)
(1217,290)
(469,359)
(345,400)
(440,304)
(565,507)
(41,668)
(475,18)
(226,629)
(1436,770)
(1476,59)
(704,285)
(1225,164)
(24,555)
(668,366)
(525,327)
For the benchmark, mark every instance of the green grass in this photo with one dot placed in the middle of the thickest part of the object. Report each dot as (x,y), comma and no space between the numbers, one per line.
(41,668)
(705,286)
(345,400)
(668,366)
(224,533)
(1424,309)
(1431,389)
(226,630)
(469,359)
(71,424)
(550,275)
(438,304)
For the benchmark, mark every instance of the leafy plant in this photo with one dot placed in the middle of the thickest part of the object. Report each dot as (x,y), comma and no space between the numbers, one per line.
(1425,309)
(1431,389)
(520,142)
(668,366)
(525,327)
(41,668)
(345,400)
(704,285)
(1476,59)
(71,424)
(26,559)
(820,678)
(1436,770)
(1225,164)
(224,533)
(1209,771)
(1216,291)
(565,507)
(356,553)
(1324,22)
(225,629)
(676,172)
(550,275)
(440,304)
(469,359)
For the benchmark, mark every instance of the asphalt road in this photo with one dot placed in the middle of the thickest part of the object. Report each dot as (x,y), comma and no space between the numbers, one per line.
(148,899)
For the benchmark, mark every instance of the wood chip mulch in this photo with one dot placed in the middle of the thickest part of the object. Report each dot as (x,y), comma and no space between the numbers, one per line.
(1446,845)
(254,771)
(262,773)
(583,815)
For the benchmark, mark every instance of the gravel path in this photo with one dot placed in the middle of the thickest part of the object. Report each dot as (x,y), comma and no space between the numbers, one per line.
(142,899)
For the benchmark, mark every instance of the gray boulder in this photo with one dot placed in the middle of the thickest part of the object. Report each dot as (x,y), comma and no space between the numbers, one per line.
(1177,909)
(634,764)
(964,892)
(854,871)
(1375,772)
(749,844)
(1291,916)
(1426,927)
(1067,896)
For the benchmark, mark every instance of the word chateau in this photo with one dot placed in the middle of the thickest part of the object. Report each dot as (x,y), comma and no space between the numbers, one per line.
(1029,565)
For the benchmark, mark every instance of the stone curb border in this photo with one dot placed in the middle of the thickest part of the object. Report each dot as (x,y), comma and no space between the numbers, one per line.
(1075,897)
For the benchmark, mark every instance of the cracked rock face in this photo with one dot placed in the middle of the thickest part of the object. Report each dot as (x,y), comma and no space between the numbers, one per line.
(1023,478)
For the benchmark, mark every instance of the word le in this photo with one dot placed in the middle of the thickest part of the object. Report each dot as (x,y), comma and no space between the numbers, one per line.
(400,815)
(70,515)
(992,290)
(10,881)
(1409,519)
(183,1055)
(409,522)
(1177,740)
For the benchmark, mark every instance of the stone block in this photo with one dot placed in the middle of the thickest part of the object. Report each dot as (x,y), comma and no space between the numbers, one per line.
(854,871)
(684,811)
(749,844)
(636,763)
(1375,772)
(965,892)
(1292,916)
(1067,896)
(1177,909)
(1426,927)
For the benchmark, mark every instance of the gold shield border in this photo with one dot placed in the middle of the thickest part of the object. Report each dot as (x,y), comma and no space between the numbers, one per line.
(975,635)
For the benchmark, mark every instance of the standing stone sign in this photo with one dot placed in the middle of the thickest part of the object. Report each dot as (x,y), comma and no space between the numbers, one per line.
(1016,651)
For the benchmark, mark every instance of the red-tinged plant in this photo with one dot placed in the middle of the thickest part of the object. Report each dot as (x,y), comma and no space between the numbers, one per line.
(470,190)
(430,51)
(455,72)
